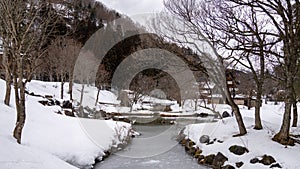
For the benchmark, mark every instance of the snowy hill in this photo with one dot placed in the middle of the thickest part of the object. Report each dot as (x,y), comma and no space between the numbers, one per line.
(49,139)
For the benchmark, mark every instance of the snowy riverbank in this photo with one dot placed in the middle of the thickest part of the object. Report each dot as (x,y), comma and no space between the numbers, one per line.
(52,140)
(258,142)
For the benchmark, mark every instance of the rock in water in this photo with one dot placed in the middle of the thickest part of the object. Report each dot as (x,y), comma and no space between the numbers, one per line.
(228,167)
(275,166)
(204,139)
(238,150)
(219,160)
(209,159)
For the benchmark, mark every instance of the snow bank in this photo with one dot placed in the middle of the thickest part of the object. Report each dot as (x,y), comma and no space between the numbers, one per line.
(257,141)
(74,140)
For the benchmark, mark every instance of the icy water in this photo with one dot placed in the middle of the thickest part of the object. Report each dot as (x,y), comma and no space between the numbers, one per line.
(156,148)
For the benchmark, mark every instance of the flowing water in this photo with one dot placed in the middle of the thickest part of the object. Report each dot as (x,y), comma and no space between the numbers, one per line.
(156,148)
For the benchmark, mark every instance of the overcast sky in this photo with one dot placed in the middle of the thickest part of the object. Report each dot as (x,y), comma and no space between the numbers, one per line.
(131,7)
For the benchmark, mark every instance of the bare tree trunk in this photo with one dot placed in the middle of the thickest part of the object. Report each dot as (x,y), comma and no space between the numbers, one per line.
(295,114)
(7,62)
(283,136)
(8,86)
(71,85)
(62,86)
(97,98)
(237,113)
(258,125)
(81,95)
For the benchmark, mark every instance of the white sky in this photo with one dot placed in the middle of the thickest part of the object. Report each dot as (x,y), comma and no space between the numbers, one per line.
(132,7)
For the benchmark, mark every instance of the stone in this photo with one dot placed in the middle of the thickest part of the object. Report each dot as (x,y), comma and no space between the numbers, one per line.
(209,159)
(275,166)
(225,114)
(197,153)
(239,164)
(228,167)
(219,160)
(267,160)
(67,104)
(254,160)
(204,139)
(201,159)
(238,150)
(69,113)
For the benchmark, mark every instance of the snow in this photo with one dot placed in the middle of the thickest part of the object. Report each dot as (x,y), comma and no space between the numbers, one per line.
(257,141)
(50,140)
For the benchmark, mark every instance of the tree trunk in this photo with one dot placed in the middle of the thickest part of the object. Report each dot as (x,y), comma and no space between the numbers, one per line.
(236,112)
(258,125)
(81,95)
(71,85)
(295,113)
(62,87)
(283,137)
(97,98)
(7,63)
(8,87)
(21,115)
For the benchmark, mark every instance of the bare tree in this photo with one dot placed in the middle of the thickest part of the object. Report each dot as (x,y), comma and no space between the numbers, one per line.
(28,24)
(185,30)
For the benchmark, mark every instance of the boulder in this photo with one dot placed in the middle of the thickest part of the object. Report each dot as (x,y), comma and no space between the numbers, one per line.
(239,164)
(201,159)
(67,104)
(209,159)
(197,153)
(267,160)
(238,150)
(254,160)
(69,113)
(225,114)
(219,160)
(204,139)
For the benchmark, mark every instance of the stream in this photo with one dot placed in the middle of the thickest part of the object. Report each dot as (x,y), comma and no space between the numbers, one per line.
(155,148)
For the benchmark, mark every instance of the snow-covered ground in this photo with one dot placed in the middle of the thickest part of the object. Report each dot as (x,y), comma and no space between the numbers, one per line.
(50,140)
(258,142)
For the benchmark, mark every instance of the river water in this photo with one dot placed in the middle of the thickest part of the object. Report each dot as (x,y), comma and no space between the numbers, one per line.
(156,148)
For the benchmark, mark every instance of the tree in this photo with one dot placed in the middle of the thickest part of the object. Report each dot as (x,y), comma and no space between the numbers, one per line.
(284,18)
(185,30)
(28,24)
(242,35)
(63,53)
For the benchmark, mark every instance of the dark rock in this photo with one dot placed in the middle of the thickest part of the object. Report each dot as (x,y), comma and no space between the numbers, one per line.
(239,164)
(275,166)
(183,142)
(57,103)
(69,113)
(48,96)
(225,114)
(204,139)
(168,108)
(220,141)
(267,160)
(228,167)
(43,102)
(202,115)
(219,160)
(198,152)
(51,102)
(238,150)
(192,151)
(209,159)
(67,104)
(201,159)
(254,160)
